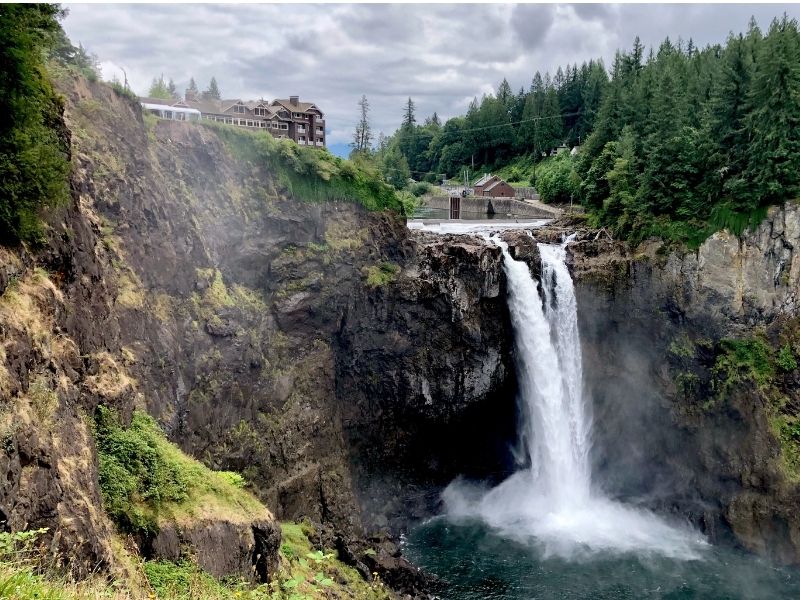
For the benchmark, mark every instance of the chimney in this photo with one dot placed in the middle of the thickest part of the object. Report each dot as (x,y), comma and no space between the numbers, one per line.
(190,94)
(294,100)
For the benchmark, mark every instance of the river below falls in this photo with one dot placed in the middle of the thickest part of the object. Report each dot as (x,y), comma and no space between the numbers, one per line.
(474,561)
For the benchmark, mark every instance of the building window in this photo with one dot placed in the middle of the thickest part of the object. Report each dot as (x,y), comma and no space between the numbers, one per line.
(239,108)
(261,112)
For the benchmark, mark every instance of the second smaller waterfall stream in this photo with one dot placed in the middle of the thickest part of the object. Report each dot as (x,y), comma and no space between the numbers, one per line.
(552,501)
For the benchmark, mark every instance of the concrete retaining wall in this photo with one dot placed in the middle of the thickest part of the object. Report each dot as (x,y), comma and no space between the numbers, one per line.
(501,206)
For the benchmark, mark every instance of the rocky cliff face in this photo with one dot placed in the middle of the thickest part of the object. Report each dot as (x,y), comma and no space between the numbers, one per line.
(345,366)
(692,402)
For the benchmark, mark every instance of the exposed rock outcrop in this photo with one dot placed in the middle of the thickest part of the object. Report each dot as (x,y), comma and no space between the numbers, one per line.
(223,548)
(666,421)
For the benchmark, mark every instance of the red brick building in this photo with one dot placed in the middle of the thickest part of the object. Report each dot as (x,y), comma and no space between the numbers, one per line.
(491,186)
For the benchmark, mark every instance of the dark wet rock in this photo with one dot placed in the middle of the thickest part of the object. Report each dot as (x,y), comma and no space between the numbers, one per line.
(651,319)
(223,548)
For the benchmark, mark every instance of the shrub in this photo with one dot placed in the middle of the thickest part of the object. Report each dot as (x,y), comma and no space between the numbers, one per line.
(421,188)
(515,175)
(786,360)
(34,151)
(145,479)
(136,478)
(124,92)
(311,174)
(742,360)
(555,181)
(234,478)
(381,274)
(18,544)
(183,579)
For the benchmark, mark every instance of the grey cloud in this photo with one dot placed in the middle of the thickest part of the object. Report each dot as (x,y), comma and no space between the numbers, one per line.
(595,12)
(532,22)
(440,55)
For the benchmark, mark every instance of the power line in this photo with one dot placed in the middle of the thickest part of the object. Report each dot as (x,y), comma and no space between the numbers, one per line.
(531,120)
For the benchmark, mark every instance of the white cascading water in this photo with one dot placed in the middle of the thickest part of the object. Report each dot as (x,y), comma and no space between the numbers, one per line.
(552,500)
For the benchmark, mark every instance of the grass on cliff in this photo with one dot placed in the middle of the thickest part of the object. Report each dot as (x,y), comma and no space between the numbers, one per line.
(380,275)
(305,574)
(770,364)
(145,479)
(313,174)
(28,572)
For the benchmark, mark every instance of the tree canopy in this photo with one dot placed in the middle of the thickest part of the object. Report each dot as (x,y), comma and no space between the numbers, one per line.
(675,141)
(33,148)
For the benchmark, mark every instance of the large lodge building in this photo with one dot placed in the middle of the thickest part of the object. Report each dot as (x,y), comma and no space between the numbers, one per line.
(302,122)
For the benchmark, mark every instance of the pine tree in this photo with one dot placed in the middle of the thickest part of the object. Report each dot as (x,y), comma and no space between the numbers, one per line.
(173,91)
(774,123)
(550,131)
(395,168)
(159,89)
(362,137)
(212,93)
(192,90)
(724,140)
(505,96)
(409,119)
(407,139)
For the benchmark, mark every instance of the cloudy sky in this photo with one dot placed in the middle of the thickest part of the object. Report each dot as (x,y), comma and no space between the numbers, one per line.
(440,55)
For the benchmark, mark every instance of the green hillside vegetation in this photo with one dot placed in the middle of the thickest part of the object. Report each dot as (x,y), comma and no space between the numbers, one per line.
(33,150)
(146,480)
(305,573)
(313,174)
(676,141)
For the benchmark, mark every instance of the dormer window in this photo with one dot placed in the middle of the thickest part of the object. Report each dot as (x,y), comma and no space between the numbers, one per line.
(239,108)
(261,111)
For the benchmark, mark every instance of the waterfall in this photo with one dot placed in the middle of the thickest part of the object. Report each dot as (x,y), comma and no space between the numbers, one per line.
(552,501)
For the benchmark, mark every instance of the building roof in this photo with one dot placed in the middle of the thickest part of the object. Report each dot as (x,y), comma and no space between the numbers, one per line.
(494,184)
(206,106)
(300,107)
(161,101)
(178,109)
(483,180)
